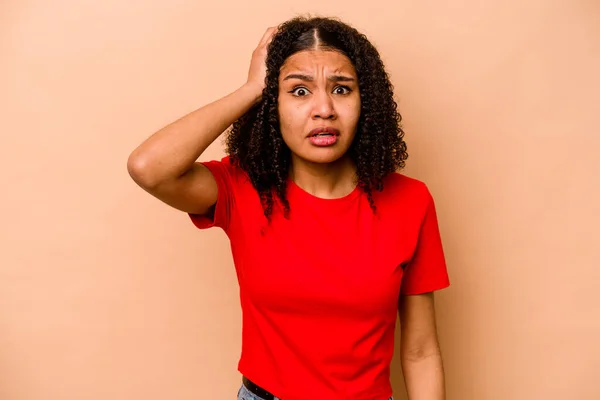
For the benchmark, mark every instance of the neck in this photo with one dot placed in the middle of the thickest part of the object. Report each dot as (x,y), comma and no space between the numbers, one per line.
(328,181)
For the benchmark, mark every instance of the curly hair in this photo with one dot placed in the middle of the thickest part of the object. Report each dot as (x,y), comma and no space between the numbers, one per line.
(254,142)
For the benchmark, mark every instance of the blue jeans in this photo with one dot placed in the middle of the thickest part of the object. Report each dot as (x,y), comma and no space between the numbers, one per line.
(245,394)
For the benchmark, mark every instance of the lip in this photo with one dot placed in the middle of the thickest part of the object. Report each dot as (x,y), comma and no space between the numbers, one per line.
(329,130)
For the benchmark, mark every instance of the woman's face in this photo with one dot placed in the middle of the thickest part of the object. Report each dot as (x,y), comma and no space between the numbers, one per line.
(319,105)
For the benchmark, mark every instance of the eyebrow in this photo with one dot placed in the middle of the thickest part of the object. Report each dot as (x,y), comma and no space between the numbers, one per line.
(308,78)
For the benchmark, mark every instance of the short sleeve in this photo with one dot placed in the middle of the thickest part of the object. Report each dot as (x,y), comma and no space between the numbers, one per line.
(224,175)
(426,272)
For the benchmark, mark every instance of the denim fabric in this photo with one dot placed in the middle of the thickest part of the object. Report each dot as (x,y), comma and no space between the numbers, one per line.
(245,394)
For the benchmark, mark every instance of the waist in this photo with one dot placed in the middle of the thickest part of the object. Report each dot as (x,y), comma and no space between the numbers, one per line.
(263,394)
(253,388)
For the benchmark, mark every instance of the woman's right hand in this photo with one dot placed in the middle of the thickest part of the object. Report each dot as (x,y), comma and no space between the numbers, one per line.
(258,68)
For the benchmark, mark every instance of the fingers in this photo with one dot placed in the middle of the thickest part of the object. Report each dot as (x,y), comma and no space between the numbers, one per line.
(268,36)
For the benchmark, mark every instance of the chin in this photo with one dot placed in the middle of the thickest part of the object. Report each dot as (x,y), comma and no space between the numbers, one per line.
(322,156)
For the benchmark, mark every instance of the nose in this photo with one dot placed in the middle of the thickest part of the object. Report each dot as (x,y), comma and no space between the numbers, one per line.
(323,106)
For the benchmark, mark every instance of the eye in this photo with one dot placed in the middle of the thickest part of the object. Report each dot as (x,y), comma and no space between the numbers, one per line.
(342,90)
(299,91)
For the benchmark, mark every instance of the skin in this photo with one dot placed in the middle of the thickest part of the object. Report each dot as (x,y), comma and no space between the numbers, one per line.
(319,88)
(420,354)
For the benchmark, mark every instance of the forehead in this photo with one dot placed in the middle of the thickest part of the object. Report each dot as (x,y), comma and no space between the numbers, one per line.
(310,60)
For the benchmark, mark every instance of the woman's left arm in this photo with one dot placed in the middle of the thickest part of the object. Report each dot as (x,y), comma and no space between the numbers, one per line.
(420,353)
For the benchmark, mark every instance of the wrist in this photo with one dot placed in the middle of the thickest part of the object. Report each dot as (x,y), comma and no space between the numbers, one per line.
(253,90)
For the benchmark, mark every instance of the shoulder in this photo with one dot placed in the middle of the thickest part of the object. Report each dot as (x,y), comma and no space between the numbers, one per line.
(403,197)
(400,186)
(224,162)
(227,168)
(230,177)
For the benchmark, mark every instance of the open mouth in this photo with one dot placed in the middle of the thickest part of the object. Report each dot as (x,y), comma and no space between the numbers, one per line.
(324,132)
(322,137)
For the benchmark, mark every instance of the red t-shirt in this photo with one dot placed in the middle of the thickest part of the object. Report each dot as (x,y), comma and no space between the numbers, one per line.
(319,292)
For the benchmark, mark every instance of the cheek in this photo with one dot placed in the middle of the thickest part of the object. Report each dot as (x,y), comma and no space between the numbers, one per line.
(291,117)
(350,113)
(285,119)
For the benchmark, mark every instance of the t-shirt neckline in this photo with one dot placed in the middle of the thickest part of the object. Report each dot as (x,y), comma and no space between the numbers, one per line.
(298,192)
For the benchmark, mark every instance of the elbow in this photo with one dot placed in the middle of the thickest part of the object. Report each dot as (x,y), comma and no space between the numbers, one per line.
(420,352)
(139,169)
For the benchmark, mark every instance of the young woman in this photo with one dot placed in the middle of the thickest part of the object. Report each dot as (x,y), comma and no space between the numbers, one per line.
(329,240)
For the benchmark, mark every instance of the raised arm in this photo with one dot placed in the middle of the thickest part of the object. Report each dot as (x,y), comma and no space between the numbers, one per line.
(165,164)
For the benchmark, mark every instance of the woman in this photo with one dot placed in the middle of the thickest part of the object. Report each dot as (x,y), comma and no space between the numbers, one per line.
(328,240)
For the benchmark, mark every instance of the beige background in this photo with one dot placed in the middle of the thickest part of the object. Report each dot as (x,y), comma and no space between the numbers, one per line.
(105,293)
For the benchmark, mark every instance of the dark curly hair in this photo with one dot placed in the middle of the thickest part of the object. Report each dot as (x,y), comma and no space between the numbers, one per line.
(254,142)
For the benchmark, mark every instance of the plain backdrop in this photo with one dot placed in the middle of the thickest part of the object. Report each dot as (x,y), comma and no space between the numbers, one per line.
(106,293)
